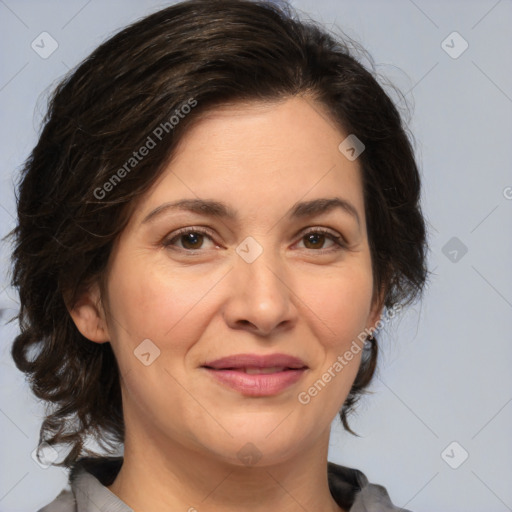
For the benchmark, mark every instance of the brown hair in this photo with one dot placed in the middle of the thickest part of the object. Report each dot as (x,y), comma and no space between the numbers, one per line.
(210,52)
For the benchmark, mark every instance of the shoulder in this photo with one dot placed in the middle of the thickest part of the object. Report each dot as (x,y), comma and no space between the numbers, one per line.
(64,502)
(352,491)
(87,490)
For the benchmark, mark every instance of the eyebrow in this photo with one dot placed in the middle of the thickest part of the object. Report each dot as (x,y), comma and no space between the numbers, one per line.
(217,209)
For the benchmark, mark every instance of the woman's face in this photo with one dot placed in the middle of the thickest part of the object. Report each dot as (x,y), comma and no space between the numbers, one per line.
(249,275)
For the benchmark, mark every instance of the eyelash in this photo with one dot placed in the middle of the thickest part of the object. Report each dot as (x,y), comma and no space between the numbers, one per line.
(337,239)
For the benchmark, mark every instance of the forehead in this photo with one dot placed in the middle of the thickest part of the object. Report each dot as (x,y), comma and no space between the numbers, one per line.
(259,156)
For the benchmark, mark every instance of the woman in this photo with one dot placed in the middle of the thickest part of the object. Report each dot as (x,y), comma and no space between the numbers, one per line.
(222,206)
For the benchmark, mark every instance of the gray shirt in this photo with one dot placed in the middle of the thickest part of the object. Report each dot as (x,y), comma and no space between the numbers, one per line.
(89,479)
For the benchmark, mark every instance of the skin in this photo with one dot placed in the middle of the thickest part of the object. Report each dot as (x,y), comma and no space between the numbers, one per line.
(305,298)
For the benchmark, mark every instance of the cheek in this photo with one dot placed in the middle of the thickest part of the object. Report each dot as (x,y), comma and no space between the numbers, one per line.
(339,303)
(148,303)
(171,311)
(337,307)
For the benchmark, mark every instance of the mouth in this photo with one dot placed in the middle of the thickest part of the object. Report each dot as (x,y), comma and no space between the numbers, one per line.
(254,370)
(255,375)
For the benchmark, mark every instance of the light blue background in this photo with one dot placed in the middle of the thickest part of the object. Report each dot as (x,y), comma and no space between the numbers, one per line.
(445,368)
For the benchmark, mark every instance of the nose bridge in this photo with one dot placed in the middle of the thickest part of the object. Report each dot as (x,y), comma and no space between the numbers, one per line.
(260,267)
(259,294)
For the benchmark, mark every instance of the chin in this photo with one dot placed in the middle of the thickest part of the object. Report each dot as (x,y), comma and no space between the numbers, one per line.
(260,446)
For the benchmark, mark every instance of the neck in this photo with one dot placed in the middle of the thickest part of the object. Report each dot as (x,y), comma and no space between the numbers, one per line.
(179,478)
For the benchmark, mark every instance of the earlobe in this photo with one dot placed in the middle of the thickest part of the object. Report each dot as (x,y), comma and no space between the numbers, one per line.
(89,317)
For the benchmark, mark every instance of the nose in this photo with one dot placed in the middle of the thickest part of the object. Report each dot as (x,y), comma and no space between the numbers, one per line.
(260,299)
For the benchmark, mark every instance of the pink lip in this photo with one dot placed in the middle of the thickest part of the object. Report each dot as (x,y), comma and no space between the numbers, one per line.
(255,361)
(230,372)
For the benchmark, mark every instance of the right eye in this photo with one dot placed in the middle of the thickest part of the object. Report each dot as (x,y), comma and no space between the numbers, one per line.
(191,239)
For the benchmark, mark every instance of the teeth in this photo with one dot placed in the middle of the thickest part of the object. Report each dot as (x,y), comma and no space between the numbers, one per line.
(272,369)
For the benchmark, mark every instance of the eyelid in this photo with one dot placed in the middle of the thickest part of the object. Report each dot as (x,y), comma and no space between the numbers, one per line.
(323,230)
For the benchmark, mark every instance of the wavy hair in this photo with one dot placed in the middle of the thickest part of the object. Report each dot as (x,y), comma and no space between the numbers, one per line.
(216,52)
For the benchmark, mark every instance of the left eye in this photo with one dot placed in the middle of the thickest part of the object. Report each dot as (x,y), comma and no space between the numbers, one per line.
(317,238)
(192,239)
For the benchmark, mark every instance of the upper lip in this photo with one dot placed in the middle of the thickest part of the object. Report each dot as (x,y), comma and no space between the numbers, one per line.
(256,361)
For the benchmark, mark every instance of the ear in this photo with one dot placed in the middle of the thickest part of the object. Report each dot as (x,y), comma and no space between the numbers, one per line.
(89,316)
(376,310)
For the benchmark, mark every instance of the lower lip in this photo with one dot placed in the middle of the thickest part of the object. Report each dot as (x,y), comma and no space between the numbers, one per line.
(259,384)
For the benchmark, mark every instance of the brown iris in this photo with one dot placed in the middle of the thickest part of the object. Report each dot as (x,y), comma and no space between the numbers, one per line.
(193,238)
(317,239)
